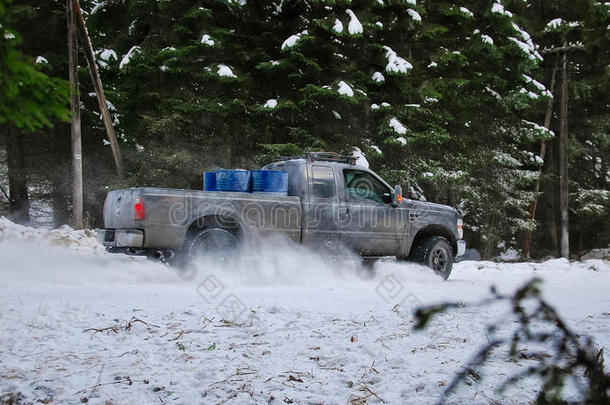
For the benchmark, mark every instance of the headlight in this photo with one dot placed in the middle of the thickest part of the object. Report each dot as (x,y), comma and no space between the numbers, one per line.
(460,228)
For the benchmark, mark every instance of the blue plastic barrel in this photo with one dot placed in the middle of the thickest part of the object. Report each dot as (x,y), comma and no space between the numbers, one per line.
(269,181)
(233,180)
(258,181)
(209,181)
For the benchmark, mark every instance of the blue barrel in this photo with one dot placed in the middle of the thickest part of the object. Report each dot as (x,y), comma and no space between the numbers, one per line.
(209,181)
(269,181)
(233,180)
(258,180)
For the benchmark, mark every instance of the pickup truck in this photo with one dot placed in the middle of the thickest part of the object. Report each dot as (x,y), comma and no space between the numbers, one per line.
(332,204)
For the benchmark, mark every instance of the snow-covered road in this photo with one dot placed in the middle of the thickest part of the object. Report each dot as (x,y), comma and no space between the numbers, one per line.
(78,325)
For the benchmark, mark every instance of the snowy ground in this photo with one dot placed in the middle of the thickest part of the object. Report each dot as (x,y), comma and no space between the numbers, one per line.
(78,325)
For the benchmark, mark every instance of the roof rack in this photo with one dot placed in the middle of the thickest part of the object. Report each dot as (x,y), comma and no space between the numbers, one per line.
(320,156)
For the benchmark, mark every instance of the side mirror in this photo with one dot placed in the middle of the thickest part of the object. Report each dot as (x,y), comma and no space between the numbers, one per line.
(397,196)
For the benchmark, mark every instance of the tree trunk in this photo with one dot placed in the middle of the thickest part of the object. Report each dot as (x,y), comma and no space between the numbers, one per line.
(563,159)
(77,160)
(60,182)
(549,189)
(19,202)
(533,206)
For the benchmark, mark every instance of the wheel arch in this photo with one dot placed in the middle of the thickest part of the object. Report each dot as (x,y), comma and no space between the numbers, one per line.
(435,230)
(225,222)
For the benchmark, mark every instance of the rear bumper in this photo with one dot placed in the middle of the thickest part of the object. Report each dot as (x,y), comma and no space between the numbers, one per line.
(461,245)
(121,237)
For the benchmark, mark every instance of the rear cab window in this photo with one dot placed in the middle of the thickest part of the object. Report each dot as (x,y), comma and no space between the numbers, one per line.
(323,182)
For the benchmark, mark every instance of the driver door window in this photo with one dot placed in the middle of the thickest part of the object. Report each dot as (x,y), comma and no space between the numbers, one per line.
(363,187)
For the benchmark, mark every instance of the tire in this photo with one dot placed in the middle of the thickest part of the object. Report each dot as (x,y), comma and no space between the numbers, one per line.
(217,243)
(369,262)
(434,252)
(366,270)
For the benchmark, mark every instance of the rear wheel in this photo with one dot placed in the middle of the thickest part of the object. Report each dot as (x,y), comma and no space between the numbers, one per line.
(366,270)
(369,262)
(216,243)
(434,252)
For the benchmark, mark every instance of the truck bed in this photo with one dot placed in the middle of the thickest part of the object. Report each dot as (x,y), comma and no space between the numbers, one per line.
(171,212)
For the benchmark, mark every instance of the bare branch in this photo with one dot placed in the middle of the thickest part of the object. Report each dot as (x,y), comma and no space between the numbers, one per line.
(567,48)
(5,193)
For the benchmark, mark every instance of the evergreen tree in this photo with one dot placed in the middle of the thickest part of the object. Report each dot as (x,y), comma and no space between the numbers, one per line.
(29,100)
(456,130)
(583,27)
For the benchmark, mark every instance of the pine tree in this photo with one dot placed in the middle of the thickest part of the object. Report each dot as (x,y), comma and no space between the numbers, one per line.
(29,100)
(468,92)
(583,27)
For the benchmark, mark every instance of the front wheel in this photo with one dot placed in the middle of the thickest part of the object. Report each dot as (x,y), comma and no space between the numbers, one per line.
(434,252)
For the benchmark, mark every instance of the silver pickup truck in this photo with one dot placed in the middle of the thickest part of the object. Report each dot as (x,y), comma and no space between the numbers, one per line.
(331,205)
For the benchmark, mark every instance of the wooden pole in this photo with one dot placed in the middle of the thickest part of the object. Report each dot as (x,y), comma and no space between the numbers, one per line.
(563,158)
(99,90)
(77,162)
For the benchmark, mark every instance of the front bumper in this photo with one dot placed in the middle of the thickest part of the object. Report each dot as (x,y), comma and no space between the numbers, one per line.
(461,247)
(121,237)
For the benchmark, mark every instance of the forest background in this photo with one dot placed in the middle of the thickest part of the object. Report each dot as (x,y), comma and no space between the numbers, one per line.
(446,98)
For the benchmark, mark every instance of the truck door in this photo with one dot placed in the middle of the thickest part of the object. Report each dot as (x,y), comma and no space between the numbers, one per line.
(370,225)
(321,210)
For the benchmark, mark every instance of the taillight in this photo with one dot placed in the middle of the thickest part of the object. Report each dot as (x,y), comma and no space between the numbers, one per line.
(139,212)
(460,229)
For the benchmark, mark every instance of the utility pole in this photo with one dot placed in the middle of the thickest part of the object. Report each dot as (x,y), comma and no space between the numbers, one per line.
(77,160)
(563,157)
(99,90)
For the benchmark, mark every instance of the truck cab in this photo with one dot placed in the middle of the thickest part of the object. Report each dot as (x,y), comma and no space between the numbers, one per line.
(345,206)
(350,206)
